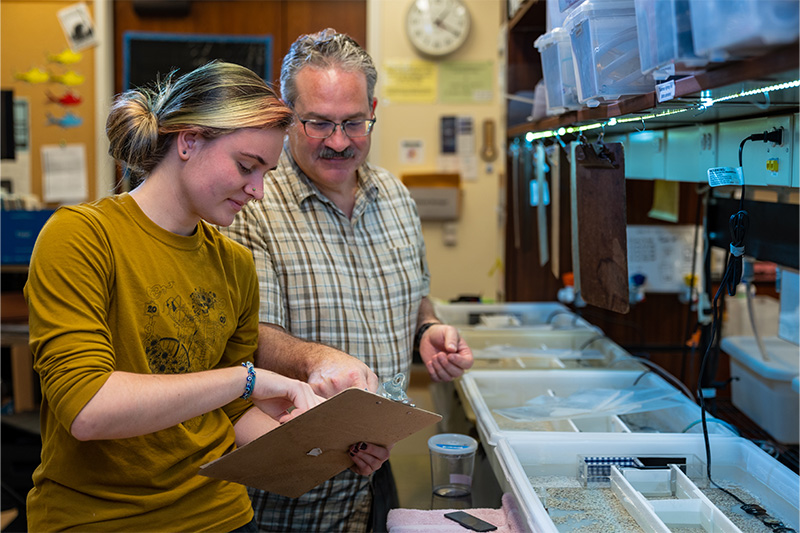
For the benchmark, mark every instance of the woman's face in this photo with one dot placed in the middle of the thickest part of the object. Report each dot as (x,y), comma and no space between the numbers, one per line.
(221,175)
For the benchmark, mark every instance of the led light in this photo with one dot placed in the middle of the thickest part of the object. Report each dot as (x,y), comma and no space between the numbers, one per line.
(706,101)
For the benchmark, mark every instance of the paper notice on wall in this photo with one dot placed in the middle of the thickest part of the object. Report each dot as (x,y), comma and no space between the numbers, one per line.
(412,151)
(64,173)
(663,254)
(466,82)
(78,27)
(410,81)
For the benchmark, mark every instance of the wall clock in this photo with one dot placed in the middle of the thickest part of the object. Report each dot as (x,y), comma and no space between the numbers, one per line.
(437,27)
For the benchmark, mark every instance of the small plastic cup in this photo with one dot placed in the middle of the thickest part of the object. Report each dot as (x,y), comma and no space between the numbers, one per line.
(452,461)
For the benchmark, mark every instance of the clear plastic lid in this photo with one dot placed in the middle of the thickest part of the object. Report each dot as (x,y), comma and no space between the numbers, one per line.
(551,37)
(452,444)
(600,8)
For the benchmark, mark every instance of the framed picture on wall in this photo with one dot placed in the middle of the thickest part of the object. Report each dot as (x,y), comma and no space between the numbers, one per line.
(148,56)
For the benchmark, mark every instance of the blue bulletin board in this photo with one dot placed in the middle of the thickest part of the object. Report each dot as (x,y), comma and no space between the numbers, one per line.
(150,55)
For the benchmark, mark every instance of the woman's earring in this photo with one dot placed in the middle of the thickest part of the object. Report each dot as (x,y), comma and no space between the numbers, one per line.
(184,152)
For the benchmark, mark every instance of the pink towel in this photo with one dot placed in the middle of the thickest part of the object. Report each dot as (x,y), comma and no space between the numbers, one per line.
(507,519)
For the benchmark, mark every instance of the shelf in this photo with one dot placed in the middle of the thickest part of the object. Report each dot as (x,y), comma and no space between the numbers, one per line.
(519,17)
(771,67)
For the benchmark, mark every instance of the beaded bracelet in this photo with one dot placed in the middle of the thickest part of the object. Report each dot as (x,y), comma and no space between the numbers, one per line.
(251,380)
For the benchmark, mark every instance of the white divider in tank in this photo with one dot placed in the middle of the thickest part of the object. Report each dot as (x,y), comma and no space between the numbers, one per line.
(685,507)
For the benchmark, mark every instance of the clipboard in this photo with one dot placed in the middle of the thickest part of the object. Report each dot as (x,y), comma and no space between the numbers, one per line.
(297,456)
(602,225)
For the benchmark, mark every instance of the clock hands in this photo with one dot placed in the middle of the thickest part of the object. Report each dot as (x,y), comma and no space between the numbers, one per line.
(439,20)
(442,25)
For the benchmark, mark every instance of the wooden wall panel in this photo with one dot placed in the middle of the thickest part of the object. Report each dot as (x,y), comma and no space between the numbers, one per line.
(284,20)
(308,16)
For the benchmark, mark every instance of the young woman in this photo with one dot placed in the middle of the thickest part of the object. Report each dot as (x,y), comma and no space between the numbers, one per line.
(144,318)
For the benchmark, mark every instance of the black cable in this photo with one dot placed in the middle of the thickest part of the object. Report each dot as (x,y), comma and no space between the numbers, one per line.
(738,225)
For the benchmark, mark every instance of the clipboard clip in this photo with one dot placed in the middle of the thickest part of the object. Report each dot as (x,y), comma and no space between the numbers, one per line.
(395,389)
(595,155)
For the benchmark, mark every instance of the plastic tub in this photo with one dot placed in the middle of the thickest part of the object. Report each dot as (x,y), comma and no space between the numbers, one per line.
(727,29)
(558,71)
(605,49)
(524,461)
(529,337)
(764,389)
(527,313)
(565,351)
(666,46)
(486,391)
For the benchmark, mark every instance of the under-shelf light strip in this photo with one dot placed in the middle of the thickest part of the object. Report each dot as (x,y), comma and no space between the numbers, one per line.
(537,135)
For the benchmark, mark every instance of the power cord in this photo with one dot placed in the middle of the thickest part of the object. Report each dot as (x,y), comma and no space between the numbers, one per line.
(738,225)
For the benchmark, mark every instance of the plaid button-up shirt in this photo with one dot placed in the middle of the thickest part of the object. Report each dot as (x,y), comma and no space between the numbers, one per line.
(352,283)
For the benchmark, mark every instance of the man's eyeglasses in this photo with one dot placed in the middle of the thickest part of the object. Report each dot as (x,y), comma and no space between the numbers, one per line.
(322,129)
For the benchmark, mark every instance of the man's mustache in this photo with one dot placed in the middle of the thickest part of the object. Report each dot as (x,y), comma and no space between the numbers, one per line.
(329,153)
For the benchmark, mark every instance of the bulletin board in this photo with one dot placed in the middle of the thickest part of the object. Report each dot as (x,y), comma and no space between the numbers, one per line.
(150,55)
(32,44)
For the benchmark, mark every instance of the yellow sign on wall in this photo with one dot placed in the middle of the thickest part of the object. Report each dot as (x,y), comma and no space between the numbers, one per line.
(411,81)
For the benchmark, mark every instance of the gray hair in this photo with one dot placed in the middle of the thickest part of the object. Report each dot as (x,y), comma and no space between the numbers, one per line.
(325,49)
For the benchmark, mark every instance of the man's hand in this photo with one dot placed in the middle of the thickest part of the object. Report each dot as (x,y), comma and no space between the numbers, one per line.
(337,371)
(445,354)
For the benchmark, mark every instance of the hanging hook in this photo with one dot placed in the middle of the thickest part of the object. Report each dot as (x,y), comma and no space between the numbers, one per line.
(602,134)
(644,126)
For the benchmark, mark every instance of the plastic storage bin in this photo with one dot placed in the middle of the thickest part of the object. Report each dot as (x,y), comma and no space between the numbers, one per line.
(605,49)
(527,313)
(727,29)
(558,352)
(666,47)
(488,390)
(558,71)
(527,337)
(524,462)
(764,389)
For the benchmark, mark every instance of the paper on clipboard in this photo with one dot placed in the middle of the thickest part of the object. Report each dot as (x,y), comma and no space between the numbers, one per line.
(297,456)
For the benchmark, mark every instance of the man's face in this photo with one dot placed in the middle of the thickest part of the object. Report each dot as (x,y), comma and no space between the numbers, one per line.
(333,95)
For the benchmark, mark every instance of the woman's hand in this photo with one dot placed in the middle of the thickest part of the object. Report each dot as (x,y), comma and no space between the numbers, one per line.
(367,458)
(282,398)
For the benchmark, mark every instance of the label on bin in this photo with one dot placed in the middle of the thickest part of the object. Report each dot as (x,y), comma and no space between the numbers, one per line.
(665,91)
(719,176)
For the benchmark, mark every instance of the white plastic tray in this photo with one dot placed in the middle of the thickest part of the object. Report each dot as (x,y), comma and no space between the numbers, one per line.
(529,313)
(734,461)
(548,351)
(487,390)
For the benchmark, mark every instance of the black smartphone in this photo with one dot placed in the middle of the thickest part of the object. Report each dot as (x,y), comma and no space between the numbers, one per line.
(469,521)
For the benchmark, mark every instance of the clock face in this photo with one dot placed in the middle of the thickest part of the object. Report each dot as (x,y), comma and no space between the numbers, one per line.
(437,27)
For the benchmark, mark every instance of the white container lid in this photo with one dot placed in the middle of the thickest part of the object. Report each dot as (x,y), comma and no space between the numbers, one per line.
(551,37)
(452,444)
(599,8)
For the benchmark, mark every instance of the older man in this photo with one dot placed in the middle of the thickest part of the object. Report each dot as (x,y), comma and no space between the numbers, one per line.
(341,262)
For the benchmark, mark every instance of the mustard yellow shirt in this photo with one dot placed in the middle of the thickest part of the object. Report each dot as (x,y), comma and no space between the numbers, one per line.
(109,290)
